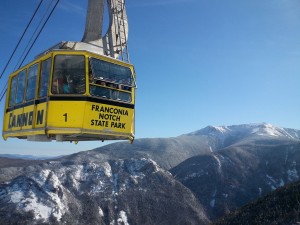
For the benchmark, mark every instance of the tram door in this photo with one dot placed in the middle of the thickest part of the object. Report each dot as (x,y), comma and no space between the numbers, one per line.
(20,111)
(68,84)
(29,97)
(42,95)
(15,118)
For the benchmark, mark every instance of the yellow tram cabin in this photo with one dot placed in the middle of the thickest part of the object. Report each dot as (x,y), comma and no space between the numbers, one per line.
(71,96)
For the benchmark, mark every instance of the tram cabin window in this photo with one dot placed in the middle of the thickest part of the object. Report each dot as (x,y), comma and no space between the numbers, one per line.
(20,87)
(13,89)
(68,74)
(111,72)
(45,75)
(31,82)
(111,81)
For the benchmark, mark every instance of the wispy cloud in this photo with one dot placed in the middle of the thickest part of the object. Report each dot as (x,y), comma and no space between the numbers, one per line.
(151,3)
(72,8)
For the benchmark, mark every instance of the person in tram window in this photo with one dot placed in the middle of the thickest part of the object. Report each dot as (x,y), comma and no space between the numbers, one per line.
(121,86)
(67,89)
(105,92)
(102,83)
(68,85)
(125,97)
(127,84)
(57,84)
(91,77)
(113,94)
(102,91)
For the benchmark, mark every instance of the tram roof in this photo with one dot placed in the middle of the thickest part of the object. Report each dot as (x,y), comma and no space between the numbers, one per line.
(63,46)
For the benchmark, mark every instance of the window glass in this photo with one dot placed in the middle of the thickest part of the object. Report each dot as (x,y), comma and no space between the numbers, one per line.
(13,89)
(20,87)
(109,93)
(45,75)
(31,82)
(111,72)
(69,74)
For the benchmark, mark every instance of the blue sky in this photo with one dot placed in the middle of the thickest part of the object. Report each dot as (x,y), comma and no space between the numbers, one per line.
(198,62)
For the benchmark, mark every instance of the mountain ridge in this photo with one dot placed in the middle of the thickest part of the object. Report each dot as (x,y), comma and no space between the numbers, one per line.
(265,129)
(132,191)
(206,174)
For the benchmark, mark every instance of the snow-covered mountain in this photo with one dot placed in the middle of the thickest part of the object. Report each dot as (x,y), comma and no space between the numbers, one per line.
(219,137)
(212,171)
(93,189)
(262,129)
(169,152)
(248,130)
(246,162)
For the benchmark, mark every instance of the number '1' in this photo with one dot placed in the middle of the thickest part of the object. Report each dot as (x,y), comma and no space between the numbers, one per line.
(66,117)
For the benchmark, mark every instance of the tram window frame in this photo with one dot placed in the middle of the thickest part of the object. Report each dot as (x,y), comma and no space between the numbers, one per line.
(108,71)
(19,97)
(46,66)
(69,78)
(106,88)
(13,91)
(106,92)
(32,74)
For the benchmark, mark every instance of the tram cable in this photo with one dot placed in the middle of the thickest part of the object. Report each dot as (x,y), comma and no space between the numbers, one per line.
(39,32)
(18,65)
(20,39)
(4,90)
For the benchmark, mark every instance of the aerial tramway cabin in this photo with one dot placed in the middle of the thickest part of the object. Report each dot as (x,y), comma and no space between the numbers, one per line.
(67,95)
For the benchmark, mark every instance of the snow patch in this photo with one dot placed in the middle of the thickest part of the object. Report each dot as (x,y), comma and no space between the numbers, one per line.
(273,183)
(156,166)
(221,129)
(218,161)
(41,177)
(259,191)
(16,196)
(281,184)
(193,175)
(107,169)
(101,214)
(293,173)
(40,210)
(77,172)
(122,220)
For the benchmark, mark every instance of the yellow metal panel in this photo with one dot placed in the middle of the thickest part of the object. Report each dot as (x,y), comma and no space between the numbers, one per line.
(28,117)
(6,121)
(15,119)
(21,122)
(65,114)
(41,115)
(108,118)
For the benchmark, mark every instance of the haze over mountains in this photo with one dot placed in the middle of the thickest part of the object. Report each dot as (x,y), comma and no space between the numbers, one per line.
(194,178)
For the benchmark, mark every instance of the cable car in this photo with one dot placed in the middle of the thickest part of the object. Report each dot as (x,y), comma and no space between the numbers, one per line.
(67,95)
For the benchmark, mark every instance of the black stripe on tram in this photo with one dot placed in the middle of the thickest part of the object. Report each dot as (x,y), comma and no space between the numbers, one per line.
(32,102)
(70,98)
(91,99)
